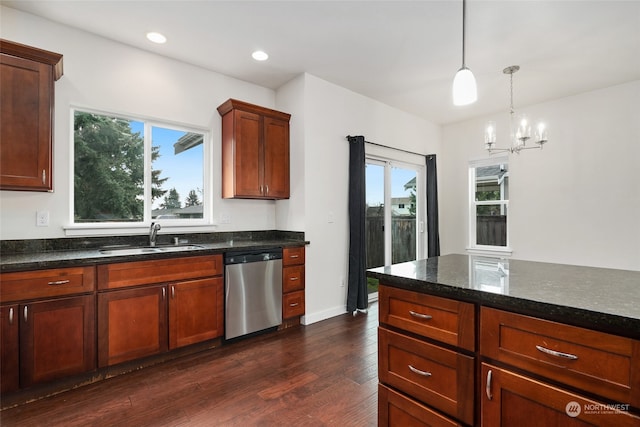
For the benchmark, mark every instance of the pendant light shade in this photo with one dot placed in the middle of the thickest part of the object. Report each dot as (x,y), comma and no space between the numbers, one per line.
(465,91)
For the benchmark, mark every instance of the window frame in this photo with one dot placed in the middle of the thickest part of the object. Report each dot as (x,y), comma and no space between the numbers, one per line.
(120,228)
(474,247)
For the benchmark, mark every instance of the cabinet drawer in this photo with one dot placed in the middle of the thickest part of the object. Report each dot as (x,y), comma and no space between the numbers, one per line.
(604,364)
(135,273)
(510,399)
(451,322)
(436,376)
(25,285)
(293,255)
(397,410)
(292,278)
(292,304)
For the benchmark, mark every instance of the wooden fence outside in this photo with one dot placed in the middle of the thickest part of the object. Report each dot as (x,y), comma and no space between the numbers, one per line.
(403,236)
(491,230)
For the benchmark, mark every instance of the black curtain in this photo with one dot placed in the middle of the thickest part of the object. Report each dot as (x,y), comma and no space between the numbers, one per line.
(357,297)
(433,233)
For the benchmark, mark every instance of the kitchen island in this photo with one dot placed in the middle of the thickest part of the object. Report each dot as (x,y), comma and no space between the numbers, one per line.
(469,340)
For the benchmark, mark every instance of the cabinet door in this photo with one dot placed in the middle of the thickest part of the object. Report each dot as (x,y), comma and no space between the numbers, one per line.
(276,158)
(57,339)
(132,323)
(9,350)
(509,399)
(196,311)
(246,155)
(26,124)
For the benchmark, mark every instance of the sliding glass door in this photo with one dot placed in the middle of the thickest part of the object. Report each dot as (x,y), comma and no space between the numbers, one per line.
(395,203)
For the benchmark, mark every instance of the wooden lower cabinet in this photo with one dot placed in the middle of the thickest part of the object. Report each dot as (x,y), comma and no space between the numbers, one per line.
(9,348)
(397,410)
(293,282)
(46,340)
(428,373)
(196,311)
(149,307)
(132,323)
(510,399)
(57,338)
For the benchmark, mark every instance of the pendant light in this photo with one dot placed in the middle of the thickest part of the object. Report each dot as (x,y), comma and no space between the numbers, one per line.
(465,91)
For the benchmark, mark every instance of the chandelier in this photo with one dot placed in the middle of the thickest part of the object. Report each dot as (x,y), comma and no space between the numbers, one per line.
(520,130)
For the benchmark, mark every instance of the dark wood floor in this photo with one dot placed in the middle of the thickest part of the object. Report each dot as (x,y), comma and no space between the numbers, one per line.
(320,375)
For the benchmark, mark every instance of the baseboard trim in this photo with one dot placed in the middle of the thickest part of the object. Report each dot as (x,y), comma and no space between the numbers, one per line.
(310,318)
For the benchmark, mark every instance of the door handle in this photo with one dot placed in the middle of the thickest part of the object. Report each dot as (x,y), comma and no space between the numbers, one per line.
(488,388)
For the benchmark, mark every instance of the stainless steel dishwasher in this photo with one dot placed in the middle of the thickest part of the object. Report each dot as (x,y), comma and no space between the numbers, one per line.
(253,291)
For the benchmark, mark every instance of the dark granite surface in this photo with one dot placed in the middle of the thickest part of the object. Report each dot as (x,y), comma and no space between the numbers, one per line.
(22,255)
(602,299)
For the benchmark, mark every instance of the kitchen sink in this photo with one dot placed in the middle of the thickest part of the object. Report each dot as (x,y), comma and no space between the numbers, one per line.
(148,250)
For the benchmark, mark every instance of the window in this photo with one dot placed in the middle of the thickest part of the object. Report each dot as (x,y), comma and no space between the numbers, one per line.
(137,171)
(489,203)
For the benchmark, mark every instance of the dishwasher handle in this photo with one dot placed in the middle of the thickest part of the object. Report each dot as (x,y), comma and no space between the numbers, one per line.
(252,256)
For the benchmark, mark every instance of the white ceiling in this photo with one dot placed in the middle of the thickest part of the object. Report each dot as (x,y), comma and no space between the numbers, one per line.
(402,53)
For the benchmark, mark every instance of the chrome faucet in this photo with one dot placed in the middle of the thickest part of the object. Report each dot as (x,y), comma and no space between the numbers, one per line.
(153,232)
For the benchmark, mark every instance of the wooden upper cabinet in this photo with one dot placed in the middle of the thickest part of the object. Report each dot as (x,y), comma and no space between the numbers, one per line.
(255,151)
(27,78)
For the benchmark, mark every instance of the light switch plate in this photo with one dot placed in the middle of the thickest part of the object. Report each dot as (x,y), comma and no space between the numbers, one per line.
(42,218)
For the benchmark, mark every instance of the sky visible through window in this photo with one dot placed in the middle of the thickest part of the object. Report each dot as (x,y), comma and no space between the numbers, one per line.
(184,170)
(375,183)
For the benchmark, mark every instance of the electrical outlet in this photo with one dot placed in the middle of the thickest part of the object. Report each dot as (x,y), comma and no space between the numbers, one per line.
(42,218)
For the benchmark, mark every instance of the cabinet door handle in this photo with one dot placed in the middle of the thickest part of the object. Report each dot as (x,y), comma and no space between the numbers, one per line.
(44,176)
(419,372)
(11,316)
(173,291)
(420,315)
(164,293)
(488,388)
(557,353)
(25,313)
(58,282)
(267,192)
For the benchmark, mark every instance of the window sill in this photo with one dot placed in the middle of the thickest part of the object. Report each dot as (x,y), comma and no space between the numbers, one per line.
(490,251)
(88,230)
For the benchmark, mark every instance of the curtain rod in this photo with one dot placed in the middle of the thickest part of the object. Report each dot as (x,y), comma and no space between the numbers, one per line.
(349,138)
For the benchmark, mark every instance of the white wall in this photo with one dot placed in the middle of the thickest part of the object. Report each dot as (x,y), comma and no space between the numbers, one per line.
(105,75)
(330,114)
(577,201)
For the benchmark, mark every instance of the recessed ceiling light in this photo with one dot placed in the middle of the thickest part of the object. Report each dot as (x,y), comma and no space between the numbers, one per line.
(156,37)
(259,55)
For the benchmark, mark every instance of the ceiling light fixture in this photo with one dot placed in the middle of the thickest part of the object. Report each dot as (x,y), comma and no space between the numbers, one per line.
(156,37)
(259,55)
(519,134)
(465,91)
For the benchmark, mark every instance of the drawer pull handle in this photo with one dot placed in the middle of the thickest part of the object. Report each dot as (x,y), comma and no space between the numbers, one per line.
(58,282)
(420,315)
(294,304)
(294,256)
(557,353)
(419,372)
(293,279)
(488,388)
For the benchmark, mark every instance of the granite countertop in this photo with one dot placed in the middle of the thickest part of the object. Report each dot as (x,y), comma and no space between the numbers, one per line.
(62,254)
(602,299)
